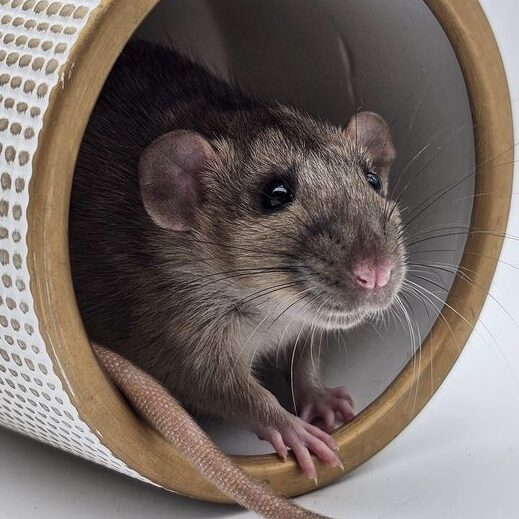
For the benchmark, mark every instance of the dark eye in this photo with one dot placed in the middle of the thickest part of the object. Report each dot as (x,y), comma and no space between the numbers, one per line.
(276,195)
(374,181)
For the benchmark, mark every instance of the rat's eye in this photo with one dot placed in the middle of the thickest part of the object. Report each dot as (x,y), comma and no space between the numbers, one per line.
(374,181)
(276,195)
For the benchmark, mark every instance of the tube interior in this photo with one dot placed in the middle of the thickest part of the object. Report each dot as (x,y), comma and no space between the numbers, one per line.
(331,58)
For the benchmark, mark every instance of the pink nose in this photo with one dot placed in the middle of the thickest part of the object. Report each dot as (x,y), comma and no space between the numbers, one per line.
(372,276)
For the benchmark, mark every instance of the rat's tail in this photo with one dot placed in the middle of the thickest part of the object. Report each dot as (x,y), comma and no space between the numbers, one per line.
(173,422)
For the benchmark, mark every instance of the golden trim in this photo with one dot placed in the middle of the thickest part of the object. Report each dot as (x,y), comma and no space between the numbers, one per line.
(95,397)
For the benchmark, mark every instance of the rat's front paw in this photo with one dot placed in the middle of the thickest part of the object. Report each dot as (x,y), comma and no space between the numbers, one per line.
(330,406)
(303,438)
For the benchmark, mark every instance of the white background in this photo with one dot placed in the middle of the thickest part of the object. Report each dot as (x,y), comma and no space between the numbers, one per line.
(459,458)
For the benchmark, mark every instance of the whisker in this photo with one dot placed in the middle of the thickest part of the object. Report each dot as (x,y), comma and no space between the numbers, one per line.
(471,325)
(463,233)
(428,202)
(430,251)
(467,278)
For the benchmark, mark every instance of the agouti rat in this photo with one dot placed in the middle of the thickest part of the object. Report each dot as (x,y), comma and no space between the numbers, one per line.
(209,229)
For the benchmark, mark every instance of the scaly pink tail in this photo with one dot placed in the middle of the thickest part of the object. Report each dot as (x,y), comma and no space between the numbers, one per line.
(172,421)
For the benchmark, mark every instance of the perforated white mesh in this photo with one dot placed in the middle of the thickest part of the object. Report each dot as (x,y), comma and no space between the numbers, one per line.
(35,41)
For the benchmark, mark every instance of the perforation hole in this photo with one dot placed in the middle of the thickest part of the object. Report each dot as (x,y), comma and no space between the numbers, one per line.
(17,260)
(21,40)
(38,63)
(10,154)
(51,67)
(17,211)
(60,48)
(16,128)
(66,10)
(80,12)
(23,158)
(28,4)
(42,90)
(12,57)
(5,179)
(4,257)
(41,6)
(54,8)
(15,324)
(4,207)
(19,184)
(25,60)
(16,82)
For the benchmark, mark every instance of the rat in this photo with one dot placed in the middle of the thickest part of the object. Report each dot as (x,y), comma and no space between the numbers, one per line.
(210,230)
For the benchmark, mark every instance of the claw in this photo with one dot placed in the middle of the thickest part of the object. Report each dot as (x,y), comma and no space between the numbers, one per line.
(304,439)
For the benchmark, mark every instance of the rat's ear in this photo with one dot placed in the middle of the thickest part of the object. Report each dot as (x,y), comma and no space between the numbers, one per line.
(170,178)
(370,131)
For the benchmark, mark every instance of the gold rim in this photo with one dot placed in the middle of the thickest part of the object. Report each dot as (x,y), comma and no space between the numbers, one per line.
(95,397)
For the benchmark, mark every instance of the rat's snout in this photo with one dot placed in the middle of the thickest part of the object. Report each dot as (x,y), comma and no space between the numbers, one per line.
(372,275)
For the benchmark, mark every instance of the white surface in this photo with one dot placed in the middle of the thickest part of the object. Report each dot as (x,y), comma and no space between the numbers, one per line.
(459,458)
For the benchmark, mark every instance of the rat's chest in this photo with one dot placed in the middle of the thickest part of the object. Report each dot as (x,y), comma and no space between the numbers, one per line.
(264,337)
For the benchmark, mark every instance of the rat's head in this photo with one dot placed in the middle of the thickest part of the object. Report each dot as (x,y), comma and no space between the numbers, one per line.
(293,218)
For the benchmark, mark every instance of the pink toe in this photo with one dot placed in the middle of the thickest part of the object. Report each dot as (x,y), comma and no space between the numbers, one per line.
(328,416)
(305,461)
(322,435)
(340,392)
(323,452)
(345,411)
(279,445)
